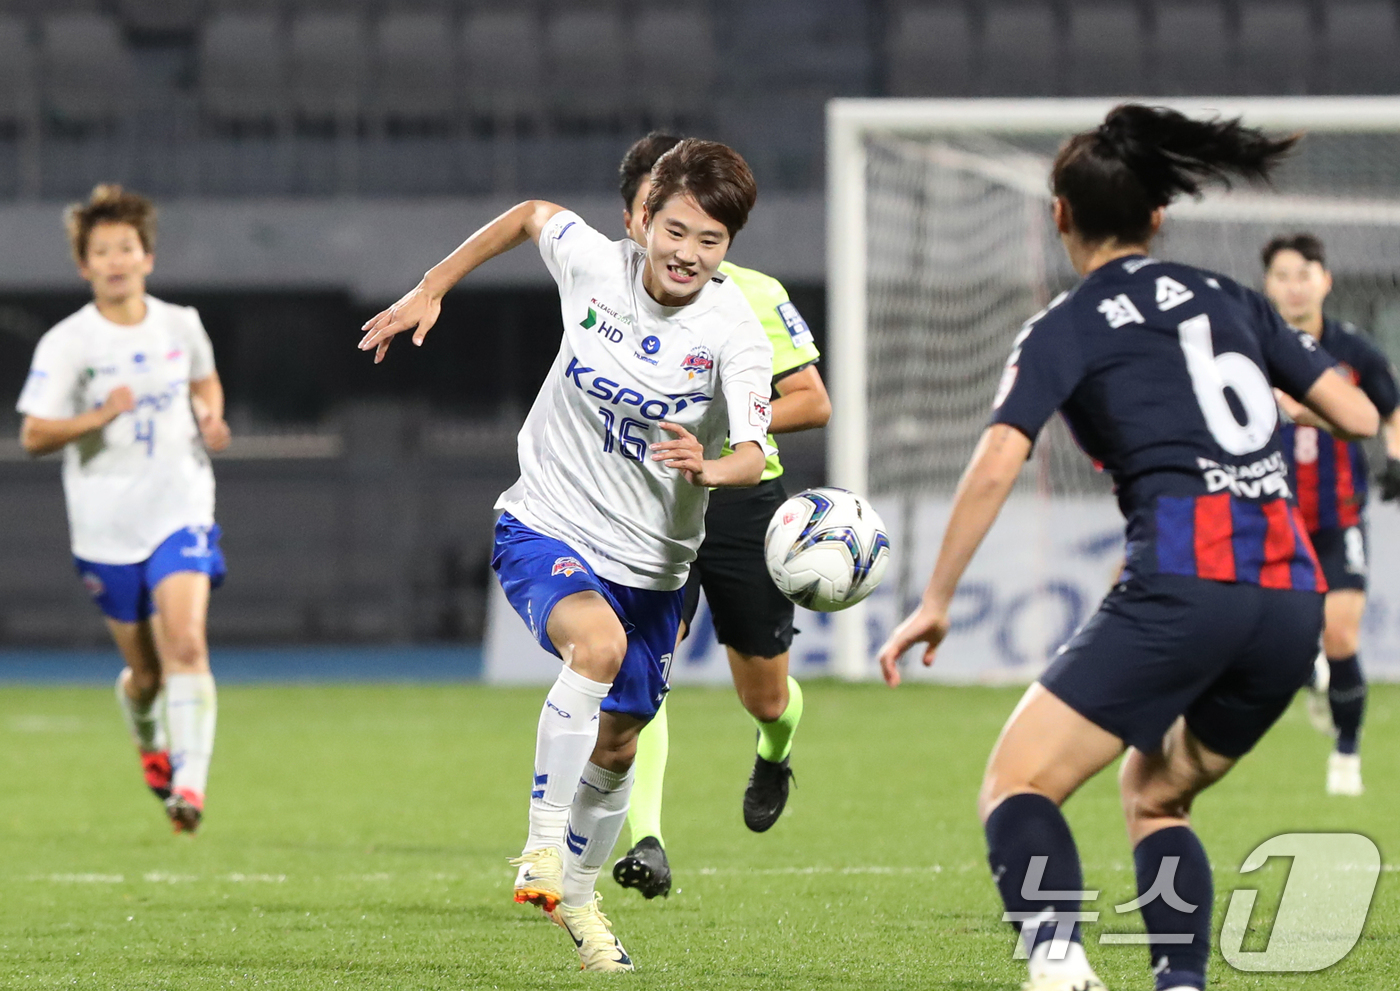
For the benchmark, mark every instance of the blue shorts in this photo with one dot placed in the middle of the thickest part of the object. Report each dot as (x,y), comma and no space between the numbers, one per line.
(123,591)
(537,571)
(1227,656)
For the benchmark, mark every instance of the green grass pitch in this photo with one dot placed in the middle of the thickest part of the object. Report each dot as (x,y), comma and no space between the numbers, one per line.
(357,837)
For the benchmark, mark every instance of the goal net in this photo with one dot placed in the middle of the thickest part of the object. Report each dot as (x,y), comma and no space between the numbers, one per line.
(941,245)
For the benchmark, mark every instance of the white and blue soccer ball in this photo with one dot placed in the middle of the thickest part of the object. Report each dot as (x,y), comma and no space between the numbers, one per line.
(826,549)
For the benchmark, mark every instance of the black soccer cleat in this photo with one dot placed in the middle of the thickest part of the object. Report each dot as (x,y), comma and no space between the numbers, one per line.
(767,793)
(645,868)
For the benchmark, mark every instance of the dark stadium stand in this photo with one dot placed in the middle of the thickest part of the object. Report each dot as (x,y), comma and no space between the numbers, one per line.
(374,97)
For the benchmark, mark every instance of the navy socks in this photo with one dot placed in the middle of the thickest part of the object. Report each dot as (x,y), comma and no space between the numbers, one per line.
(1035,863)
(1347,693)
(1175,892)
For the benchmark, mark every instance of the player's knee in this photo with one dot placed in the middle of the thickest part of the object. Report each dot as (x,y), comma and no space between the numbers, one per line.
(185,653)
(1339,642)
(767,706)
(599,657)
(615,756)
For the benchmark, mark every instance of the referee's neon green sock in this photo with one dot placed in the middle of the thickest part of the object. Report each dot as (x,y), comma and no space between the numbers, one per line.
(649,773)
(775,738)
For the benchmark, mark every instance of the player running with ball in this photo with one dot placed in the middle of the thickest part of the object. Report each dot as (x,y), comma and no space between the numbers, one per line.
(127,388)
(752,618)
(1329,478)
(597,536)
(1213,625)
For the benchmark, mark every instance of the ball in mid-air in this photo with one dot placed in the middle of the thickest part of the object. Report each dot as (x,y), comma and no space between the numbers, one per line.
(826,549)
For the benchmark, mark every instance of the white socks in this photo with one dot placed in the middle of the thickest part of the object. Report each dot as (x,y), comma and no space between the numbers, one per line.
(595,823)
(567,733)
(145,722)
(191,712)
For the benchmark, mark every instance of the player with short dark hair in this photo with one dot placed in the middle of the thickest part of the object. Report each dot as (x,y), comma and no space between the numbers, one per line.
(595,540)
(1329,479)
(1163,373)
(752,618)
(127,388)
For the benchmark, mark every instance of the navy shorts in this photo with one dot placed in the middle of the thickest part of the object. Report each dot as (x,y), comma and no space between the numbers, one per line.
(1343,553)
(123,591)
(1229,657)
(537,571)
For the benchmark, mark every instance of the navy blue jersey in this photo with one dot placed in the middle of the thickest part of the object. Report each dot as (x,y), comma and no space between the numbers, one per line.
(1163,373)
(1330,474)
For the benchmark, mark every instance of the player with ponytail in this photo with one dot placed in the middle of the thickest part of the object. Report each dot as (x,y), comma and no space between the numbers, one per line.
(1164,373)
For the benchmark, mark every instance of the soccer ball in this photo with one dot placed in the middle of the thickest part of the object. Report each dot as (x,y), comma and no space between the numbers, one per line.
(826,549)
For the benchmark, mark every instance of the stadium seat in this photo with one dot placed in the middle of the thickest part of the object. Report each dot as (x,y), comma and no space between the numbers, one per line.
(243,69)
(1105,49)
(1020,49)
(161,16)
(17,95)
(87,71)
(330,59)
(501,67)
(929,52)
(414,69)
(803,46)
(588,55)
(1191,46)
(1277,47)
(1362,50)
(674,56)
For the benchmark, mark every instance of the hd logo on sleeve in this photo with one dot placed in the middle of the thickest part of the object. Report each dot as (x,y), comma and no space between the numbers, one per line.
(797,328)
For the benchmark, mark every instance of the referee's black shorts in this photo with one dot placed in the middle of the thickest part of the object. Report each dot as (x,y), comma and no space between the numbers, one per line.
(749,612)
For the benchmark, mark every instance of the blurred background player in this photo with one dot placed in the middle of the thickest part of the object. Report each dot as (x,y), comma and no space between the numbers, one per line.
(1213,625)
(1329,480)
(598,534)
(752,618)
(127,388)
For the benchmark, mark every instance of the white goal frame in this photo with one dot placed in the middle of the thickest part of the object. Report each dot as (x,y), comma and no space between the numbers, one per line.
(850,121)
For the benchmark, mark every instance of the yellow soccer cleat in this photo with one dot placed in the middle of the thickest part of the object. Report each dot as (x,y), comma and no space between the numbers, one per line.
(540,880)
(598,949)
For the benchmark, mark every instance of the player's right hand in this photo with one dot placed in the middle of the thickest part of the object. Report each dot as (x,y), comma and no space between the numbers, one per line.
(418,308)
(120,400)
(1390,480)
(923,625)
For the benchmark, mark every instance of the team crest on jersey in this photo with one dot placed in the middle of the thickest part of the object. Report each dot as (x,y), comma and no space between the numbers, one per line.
(565,566)
(93,584)
(698,360)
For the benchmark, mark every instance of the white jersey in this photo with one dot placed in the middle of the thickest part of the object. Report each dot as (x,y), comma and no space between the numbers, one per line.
(146,474)
(626,363)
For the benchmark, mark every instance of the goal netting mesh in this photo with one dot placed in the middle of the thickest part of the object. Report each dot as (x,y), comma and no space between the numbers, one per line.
(959,251)
(962,250)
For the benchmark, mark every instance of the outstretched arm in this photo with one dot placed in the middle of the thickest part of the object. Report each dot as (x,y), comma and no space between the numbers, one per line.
(40,435)
(1340,408)
(983,489)
(419,308)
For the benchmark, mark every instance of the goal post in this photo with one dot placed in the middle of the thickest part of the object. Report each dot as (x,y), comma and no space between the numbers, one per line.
(939,246)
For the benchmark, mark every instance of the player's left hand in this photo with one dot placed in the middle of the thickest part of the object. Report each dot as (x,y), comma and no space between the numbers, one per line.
(924,625)
(215,432)
(1390,480)
(418,308)
(684,453)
